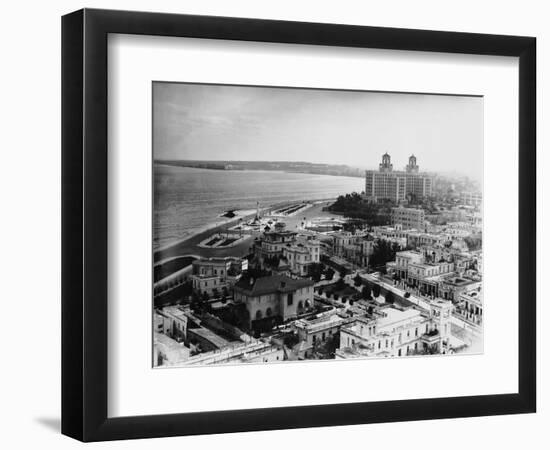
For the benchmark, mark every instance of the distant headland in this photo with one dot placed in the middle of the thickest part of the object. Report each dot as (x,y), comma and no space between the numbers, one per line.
(284,166)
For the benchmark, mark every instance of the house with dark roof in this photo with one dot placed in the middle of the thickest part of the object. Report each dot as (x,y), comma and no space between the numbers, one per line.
(274,297)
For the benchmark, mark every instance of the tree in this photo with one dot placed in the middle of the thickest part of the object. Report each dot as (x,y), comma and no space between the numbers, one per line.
(384,251)
(272,261)
(195,300)
(357,281)
(353,205)
(376,290)
(329,274)
(314,271)
(390,297)
(187,288)
(354,225)
(290,340)
(343,272)
(367,292)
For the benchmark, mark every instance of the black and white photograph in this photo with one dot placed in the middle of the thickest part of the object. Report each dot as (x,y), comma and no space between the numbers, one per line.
(275,225)
(299,224)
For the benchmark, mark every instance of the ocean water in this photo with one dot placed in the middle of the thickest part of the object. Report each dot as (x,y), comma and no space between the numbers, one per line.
(188,199)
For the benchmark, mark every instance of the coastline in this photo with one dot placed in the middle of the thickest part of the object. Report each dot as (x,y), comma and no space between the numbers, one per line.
(244,214)
(188,244)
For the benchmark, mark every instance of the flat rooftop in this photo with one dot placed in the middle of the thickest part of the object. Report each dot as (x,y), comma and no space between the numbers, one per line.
(395,317)
(210,336)
(167,342)
(174,311)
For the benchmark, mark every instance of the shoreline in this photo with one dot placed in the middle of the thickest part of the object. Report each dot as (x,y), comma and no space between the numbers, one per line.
(171,249)
(246,213)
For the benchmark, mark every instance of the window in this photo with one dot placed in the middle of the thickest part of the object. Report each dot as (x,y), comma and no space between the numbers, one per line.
(416,332)
(289,300)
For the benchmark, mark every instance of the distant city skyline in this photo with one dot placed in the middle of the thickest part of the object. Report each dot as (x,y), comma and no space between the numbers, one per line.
(354,128)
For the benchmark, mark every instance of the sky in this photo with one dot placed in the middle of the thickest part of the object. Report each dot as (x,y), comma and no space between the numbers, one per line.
(220,122)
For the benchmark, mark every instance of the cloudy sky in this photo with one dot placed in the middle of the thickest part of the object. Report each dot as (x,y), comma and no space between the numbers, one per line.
(216,122)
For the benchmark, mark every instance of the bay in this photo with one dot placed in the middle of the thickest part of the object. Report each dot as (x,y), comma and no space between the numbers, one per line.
(188,199)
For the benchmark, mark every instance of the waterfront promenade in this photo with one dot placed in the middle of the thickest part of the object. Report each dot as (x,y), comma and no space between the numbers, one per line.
(190,246)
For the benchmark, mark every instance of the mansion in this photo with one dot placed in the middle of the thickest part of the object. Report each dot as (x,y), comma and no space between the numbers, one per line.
(396,332)
(275,296)
(286,251)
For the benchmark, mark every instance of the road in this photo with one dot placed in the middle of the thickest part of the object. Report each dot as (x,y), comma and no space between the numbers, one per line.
(374,278)
(190,246)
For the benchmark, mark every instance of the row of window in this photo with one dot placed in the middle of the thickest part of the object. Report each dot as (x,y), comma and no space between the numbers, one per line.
(269,312)
(352,342)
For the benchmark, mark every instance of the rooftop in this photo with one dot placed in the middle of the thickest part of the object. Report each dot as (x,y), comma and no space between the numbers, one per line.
(458,281)
(232,352)
(216,260)
(174,311)
(210,336)
(473,295)
(409,254)
(271,284)
(320,322)
(167,343)
(395,317)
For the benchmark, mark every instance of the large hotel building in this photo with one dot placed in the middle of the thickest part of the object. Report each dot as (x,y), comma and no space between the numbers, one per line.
(387,184)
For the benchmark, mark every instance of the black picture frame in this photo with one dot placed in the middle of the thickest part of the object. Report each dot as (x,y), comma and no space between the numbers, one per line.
(84,224)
